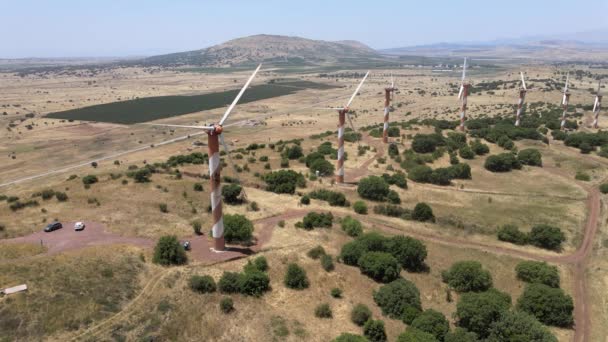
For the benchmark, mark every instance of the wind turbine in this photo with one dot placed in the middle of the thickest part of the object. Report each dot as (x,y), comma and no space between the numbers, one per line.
(565,100)
(520,102)
(388,97)
(343,112)
(463,94)
(597,105)
(214,137)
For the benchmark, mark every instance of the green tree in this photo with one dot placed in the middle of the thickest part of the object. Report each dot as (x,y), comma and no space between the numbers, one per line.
(465,276)
(503,162)
(324,167)
(296,278)
(232,193)
(253,283)
(546,236)
(237,229)
(168,251)
(549,305)
(351,252)
(538,272)
(466,152)
(374,331)
(432,322)
(373,188)
(283,181)
(380,266)
(518,326)
(360,207)
(511,233)
(202,284)
(360,314)
(416,335)
(395,297)
(423,212)
(530,156)
(461,335)
(410,252)
(476,311)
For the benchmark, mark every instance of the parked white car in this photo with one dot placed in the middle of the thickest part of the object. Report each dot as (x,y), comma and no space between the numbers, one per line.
(78,226)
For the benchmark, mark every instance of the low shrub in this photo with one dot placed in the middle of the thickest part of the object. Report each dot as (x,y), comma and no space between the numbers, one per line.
(360,314)
(352,227)
(316,252)
(202,284)
(360,207)
(546,236)
(226,305)
(296,278)
(323,311)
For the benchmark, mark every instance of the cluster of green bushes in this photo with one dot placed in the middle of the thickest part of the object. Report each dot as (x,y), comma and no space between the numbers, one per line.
(334,198)
(48,194)
(295,277)
(503,162)
(542,235)
(422,212)
(316,220)
(538,272)
(18,205)
(253,281)
(327,262)
(427,143)
(315,161)
(586,142)
(439,176)
(196,158)
(377,189)
(284,181)
(397,178)
(394,252)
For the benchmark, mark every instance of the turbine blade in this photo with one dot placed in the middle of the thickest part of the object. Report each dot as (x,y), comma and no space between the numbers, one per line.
(392,81)
(599,85)
(567,79)
(464,69)
(523,81)
(357,90)
(237,98)
(206,128)
(460,92)
(595,104)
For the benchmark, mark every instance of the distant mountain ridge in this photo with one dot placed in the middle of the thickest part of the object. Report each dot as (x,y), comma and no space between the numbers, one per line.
(268,48)
(588,46)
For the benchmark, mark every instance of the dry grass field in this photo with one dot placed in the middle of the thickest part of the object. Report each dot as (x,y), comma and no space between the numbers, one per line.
(116,293)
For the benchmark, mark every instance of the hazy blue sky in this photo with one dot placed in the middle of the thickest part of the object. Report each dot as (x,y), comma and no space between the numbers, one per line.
(51,28)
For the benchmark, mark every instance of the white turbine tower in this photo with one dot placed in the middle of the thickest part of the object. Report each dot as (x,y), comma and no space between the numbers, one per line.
(565,101)
(215,136)
(463,94)
(520,102)
(596,105)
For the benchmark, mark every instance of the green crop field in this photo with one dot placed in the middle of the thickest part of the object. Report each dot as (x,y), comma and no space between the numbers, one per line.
(160,107)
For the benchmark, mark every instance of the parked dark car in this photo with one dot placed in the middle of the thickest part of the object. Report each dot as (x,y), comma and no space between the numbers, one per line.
(53,226)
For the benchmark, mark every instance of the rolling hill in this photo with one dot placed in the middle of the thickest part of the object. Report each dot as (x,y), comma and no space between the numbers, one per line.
(273,49)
